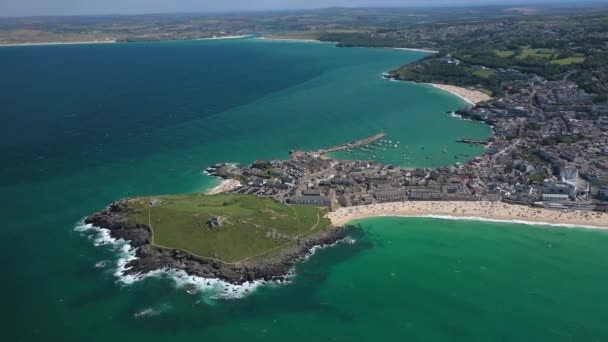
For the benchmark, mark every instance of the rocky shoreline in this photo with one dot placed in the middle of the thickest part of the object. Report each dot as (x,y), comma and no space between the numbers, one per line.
(151,257)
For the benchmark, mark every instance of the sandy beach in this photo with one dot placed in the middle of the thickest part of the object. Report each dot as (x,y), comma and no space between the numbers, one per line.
(110,41)
(498,211)
(224,186)
(224,37)
(62,43)
(290,39)
(471,96)
(419,50)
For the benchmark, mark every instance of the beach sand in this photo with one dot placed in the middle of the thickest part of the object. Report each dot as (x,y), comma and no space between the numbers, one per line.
(224,37)
(279,38)
(225,186)
(62,43)
(475,210)
(419,50)
(471,96)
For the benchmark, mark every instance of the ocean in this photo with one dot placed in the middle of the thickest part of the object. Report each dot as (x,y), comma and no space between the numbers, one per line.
(83,125)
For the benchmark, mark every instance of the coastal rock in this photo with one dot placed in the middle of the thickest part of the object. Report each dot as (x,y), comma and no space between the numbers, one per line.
(114,219)
(216,222)
(151,257)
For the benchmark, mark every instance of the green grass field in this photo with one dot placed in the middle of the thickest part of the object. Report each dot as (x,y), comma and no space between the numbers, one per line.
(311,34)
(570,60)
(537,53)
(181,222)
(547,54)
(296,34)
(525,53)
(504,53)
(484,73)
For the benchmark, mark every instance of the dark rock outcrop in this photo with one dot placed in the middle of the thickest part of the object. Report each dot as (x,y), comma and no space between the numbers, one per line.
(115,219)
(151,257)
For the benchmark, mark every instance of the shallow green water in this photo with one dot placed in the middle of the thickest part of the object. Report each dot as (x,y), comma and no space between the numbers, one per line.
(83,125)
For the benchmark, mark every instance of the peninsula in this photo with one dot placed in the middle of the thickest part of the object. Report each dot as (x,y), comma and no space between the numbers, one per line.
(232,237)
(267,215)
(539,82)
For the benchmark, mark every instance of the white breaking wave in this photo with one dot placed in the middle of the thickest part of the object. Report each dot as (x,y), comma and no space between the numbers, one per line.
(149,312)
(209,288)
(83,227)
(482,219)
(102,264)
(316,248)
(213,288)
(216,288)
(152,311)
(458,116)
(103,237)
(127,254)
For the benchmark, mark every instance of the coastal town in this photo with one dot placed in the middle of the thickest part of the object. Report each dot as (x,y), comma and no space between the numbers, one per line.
(327,170)
(545,163)
(549,150)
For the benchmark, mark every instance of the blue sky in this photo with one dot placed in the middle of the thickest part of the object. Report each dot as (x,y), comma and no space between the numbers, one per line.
(72,7)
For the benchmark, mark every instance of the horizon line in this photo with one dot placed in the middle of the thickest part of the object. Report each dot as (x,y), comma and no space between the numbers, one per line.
(566,4)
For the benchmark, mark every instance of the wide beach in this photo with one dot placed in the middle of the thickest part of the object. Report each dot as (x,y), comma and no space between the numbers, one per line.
(471,96)
(418,50)
(240,36)
(472,210)
(61,43)
(289,39)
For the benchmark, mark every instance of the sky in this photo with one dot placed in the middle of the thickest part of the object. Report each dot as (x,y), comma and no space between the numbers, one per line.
(74,7)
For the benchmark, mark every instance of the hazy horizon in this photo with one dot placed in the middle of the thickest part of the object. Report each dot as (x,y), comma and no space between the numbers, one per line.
(15,8)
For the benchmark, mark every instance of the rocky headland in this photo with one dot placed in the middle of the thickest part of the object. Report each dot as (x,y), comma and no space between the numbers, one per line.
(272,267)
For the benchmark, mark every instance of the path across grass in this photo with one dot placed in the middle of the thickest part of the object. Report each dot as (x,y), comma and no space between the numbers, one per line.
(252,226)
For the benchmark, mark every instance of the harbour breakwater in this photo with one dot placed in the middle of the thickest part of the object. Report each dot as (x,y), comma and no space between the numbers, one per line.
(352,144)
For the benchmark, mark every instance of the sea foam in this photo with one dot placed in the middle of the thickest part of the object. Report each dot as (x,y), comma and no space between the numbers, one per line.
(482,219)
(102,237)
(458,116)
(211,288)
(208,288)
(214,288)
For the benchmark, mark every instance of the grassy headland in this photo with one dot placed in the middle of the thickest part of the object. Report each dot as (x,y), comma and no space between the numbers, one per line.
(233,237)
(251,225)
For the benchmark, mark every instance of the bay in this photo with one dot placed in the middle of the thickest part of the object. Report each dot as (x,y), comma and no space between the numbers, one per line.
(86,124)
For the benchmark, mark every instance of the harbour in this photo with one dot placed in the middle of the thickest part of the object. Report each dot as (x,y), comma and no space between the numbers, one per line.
(351,145)
(473,141)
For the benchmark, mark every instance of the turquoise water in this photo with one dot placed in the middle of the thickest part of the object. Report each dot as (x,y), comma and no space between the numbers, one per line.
(86,124)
